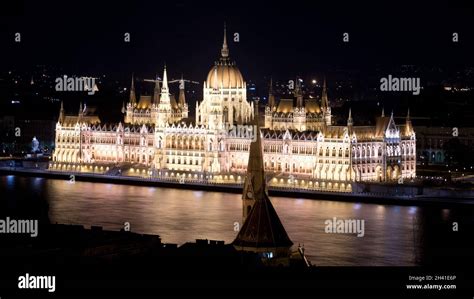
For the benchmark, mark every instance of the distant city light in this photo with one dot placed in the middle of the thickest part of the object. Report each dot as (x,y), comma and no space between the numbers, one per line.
(314,81)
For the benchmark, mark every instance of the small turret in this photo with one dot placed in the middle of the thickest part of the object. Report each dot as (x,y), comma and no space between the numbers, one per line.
(182,94)
(133,97)
(298,94)
(61,114)
(350,122)
(156,91)
(408,126)
(165,95)
(324,96)
(225,48)
(271,96)
(326,109)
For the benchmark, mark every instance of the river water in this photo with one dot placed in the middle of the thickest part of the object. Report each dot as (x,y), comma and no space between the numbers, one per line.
(391,232)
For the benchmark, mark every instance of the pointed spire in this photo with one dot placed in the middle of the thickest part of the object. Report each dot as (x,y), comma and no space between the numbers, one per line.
(262,228)
(133,98)
(61,113)
(80,108)
(324,95)
(298,93)
(123,107)
(182,95)
(156,91)
(165,95)
(255,184)
(225,48)
(408,126)
(350,122)
(383,111)
(271,97)
(165,80)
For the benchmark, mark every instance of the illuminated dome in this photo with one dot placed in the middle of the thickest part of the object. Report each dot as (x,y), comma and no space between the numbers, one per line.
(225,73)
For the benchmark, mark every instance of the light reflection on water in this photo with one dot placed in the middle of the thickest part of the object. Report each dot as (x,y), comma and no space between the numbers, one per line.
(179,216)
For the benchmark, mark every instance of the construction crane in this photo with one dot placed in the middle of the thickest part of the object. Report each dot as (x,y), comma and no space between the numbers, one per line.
(180,81)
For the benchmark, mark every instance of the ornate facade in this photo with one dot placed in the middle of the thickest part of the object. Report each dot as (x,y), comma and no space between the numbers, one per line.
(300,144)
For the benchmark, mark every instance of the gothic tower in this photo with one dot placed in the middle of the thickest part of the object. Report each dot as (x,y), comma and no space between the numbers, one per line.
(262,230)
(325,105)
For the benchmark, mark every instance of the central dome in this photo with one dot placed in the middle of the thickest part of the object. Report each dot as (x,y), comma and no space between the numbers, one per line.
(225,74)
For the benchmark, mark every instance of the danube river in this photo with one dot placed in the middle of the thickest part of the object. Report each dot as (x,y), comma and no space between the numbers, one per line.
(392,233)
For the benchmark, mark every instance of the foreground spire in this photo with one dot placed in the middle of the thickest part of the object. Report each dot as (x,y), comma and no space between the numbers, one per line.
(255,184)
(262,230)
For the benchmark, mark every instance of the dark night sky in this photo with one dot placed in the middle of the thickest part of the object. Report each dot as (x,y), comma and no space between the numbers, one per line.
(275,38)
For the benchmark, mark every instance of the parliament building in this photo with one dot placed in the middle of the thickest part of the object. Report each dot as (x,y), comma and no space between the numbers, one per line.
(301,146)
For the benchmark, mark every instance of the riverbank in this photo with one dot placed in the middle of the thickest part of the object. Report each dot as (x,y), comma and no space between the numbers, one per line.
(363,192)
